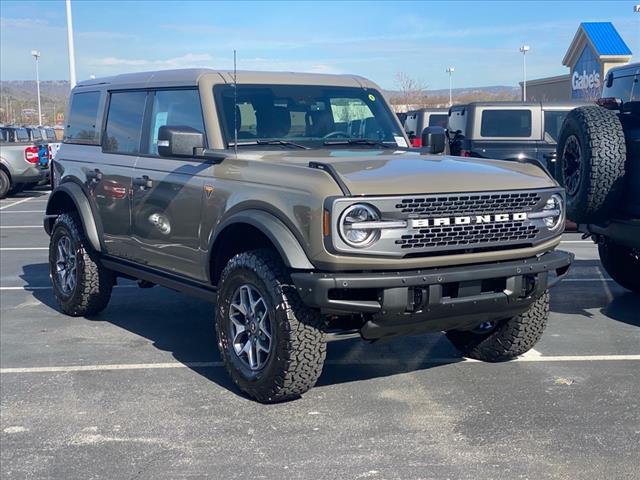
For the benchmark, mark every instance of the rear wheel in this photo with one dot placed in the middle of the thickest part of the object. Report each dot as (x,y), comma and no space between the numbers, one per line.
(81,285)
(5,184)
(591,161)
(272,344)
(622,263)
(506,339)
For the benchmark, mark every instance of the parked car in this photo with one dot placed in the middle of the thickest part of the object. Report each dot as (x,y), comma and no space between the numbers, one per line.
(417,120)
(599,166)
(19,161)
(49,135)
(287,200)
(513,131)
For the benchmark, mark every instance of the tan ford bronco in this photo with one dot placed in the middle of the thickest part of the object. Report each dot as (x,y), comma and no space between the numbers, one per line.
(292,202)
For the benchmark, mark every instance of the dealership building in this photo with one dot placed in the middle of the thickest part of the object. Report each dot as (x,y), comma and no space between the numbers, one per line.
(596,47)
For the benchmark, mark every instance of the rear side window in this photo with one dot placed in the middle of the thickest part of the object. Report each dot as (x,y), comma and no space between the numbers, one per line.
(553,124)
(438,120)
(124,122)
(625,88)
(36,134)
(506,123)
(176,108)
(21,135)
(83,117)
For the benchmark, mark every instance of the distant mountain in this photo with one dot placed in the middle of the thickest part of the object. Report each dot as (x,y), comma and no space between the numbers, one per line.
(492,91)
(18,98)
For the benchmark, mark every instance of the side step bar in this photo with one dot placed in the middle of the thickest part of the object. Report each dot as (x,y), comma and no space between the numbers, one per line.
(168,280)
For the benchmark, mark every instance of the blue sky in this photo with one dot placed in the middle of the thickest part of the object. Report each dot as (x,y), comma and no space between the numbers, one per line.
(374,39)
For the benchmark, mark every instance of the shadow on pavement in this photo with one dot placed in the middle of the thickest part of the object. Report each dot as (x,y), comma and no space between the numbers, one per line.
(184,326)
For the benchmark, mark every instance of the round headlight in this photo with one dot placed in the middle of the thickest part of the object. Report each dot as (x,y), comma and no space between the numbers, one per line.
(357,214)
(556,212)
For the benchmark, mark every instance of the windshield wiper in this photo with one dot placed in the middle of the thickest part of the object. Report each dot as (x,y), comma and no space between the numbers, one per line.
(358,141)
(284,143)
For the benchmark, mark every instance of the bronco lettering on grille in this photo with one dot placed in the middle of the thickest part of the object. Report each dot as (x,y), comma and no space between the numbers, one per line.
(467,220)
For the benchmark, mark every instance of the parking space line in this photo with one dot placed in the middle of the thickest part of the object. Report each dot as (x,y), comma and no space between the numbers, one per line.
(27,288)
(24,211)
(21,226)
(16,203)
(166,365)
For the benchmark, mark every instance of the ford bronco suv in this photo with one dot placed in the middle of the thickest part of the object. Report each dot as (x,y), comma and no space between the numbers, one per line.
(516,131)
(291,202)
(599,165)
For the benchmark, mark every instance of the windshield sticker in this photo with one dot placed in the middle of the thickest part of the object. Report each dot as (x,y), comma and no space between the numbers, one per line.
(372,97)
(400,141)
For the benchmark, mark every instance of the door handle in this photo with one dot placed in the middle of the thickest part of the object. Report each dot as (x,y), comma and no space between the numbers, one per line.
(94,175)
(143,182)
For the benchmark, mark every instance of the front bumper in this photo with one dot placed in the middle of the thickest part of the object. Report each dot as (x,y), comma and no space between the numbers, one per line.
(396,303)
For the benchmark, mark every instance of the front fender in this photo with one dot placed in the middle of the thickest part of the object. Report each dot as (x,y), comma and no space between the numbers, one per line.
(275,230)
(58,203)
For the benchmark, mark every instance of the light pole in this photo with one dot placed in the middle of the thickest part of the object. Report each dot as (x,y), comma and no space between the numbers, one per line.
(36,55)
(450,70)
(524,49)
(636,9)
(72,53)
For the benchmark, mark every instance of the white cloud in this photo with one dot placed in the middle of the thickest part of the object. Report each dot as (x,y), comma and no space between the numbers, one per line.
(29,23)
(184,61)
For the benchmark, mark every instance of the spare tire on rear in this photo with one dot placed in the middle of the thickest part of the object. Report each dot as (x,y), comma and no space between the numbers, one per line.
(591,158)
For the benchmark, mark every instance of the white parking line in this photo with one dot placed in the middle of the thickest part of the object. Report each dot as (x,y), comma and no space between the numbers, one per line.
(21,226)
(165,365)
(28,288)
(16,203)
(24,211)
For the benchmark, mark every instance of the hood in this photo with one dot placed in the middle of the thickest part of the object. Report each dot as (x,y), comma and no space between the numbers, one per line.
(367,172)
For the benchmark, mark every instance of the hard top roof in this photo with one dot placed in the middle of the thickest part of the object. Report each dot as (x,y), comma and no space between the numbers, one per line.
(192,76)
(551,104)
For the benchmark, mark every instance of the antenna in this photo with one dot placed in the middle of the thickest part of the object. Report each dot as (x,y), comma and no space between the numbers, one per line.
(235,106)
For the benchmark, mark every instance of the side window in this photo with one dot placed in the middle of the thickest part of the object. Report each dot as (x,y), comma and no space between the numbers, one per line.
(553,124)
(83,117)
(177,108)
(124,122)
(506,123)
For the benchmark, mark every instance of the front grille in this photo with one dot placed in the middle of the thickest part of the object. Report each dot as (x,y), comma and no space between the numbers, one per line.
(469,235)
(455,205)
(428,234)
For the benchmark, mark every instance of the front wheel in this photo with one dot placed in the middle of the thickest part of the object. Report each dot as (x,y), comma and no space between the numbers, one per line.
(81,285)
(506,339)
(272,345)
(622,263)
(5,184)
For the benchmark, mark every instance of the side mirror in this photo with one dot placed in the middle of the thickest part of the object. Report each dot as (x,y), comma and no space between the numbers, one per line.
(434,139)
(179,141)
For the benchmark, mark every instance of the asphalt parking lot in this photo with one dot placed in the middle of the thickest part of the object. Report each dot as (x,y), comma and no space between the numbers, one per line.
(139,392)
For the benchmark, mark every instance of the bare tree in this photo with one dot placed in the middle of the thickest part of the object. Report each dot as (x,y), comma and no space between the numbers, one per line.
(412,91)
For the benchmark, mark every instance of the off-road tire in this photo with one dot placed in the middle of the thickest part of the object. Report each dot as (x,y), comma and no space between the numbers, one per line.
(622,263)
(5,184)
(94,282)
(510,338)
(601,169)
(299,347)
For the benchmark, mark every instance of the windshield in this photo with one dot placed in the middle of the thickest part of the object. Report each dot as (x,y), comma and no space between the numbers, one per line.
(313,116)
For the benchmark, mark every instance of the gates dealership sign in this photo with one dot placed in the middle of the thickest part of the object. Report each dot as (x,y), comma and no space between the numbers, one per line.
(586,76)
